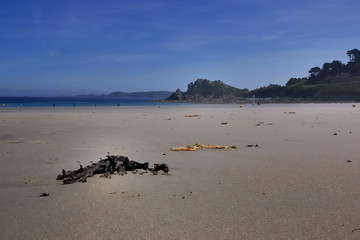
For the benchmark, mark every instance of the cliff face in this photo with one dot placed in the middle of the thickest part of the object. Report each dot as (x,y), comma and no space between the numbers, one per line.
(203,90)
(176,96)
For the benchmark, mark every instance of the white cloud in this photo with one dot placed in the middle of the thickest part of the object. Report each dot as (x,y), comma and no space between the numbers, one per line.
(275,36)
(53,52)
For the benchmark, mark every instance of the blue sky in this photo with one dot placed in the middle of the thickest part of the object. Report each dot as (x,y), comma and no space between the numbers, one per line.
(50,48)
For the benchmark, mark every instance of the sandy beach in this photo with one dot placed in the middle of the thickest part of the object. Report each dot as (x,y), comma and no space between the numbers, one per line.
(295,173)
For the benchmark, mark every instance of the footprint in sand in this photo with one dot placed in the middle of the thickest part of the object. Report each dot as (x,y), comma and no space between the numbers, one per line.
(51,160)
(21,141)
(15,141)
(29,179)
(126,196)
(36,141)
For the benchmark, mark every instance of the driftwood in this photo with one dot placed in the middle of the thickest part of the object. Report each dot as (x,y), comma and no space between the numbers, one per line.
(106,167)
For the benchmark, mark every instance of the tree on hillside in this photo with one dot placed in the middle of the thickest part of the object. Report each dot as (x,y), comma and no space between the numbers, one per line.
(293,81)
(354,55)
(336,67)
(326,69)
(353,66)
(314,72)
(333,69)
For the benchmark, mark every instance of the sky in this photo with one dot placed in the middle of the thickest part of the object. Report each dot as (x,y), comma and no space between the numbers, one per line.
(68,47)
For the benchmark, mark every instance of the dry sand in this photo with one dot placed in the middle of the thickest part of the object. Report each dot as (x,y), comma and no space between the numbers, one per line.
(297,184)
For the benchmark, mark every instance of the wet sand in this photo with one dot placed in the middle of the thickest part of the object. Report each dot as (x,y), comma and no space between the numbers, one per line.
(300,182)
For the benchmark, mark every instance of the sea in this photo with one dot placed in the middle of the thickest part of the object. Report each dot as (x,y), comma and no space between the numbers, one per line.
(45,102)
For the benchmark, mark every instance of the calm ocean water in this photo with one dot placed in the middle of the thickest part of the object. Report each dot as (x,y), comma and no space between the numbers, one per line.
(11,102)
(46,102)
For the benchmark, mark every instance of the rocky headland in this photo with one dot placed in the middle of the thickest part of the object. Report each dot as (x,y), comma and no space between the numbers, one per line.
(217,92)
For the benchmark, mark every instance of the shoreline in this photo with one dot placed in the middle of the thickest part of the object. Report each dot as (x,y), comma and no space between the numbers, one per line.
(179,104)
(253,101)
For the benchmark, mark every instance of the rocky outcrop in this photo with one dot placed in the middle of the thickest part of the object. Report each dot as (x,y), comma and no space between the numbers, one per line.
(206,91)
(176,96)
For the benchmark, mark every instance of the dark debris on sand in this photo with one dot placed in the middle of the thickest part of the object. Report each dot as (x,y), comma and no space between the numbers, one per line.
(106,167)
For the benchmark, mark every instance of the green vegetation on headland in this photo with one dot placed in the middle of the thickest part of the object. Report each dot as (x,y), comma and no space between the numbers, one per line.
(333,82)
(203,90)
